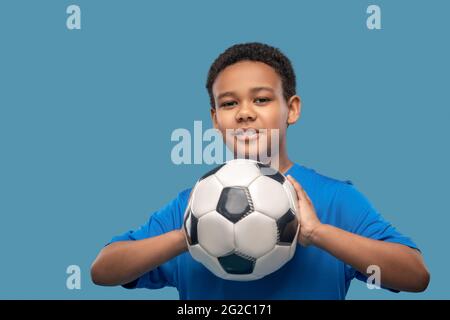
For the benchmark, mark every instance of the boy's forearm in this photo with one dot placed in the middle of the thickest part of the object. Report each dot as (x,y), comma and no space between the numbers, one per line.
(401,267)
(124,261)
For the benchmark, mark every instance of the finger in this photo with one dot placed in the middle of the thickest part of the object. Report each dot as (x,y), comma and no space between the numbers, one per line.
(300,191)
(298,188)
(294,182)
(307,197)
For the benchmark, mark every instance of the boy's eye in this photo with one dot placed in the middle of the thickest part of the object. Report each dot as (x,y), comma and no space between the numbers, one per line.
(228,104)
(262,100)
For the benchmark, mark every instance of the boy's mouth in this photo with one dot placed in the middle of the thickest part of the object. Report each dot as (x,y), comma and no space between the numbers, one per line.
(246,134)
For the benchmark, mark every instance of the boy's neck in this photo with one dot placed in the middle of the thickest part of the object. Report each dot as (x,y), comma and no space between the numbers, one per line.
(286,167)
(283,165)
(280,162)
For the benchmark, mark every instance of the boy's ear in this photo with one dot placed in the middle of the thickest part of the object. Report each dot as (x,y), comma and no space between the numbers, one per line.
(294,109)
(213,117)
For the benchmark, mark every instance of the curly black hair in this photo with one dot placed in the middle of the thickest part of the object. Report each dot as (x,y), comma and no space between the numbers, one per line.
(254,51)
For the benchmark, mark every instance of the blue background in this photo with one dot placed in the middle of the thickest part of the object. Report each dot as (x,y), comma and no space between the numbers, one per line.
(86,118)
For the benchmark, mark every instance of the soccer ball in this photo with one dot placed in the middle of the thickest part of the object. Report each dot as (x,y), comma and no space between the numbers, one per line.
(240,221)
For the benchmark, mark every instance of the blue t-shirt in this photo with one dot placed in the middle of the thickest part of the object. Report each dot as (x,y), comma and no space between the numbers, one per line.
(311,274)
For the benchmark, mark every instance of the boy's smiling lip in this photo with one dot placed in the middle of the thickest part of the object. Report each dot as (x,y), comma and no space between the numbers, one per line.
(246,134)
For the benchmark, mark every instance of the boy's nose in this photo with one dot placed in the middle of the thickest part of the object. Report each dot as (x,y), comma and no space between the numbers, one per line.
(245,113)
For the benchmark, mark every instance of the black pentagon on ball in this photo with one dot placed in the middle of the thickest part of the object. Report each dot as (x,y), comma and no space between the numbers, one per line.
(211,172)
(270,172)
(234,203)
(287,228)
(237,264)
(192,233)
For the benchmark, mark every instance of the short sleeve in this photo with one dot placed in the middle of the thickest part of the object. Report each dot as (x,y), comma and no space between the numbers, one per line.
(363,219)
(162,221)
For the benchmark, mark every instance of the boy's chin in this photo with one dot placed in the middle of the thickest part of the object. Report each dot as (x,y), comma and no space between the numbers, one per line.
(257,155)
(252,149)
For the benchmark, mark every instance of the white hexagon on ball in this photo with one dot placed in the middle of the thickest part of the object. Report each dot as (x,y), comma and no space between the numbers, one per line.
(206,195)
(273,260)
(215,234)
(255,235)
(269,197)
(211,263)
(238,172)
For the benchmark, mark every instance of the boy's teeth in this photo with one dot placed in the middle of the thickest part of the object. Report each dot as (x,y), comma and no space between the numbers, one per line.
(248,132)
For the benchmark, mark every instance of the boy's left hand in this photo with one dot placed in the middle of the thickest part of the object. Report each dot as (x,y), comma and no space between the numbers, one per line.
(306,214)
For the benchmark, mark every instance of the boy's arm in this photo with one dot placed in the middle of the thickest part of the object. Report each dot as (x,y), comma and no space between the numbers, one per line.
(122,262)
(402,268)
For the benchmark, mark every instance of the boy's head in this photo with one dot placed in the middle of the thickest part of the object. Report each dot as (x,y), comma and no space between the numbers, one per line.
(252,85)
(254,51)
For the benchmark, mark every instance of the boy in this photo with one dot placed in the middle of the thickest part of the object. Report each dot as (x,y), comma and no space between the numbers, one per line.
(252,86)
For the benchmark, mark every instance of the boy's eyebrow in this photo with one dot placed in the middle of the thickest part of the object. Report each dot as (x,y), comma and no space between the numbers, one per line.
(252,90)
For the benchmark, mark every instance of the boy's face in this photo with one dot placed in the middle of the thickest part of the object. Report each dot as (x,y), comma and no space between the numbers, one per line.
(249,94)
